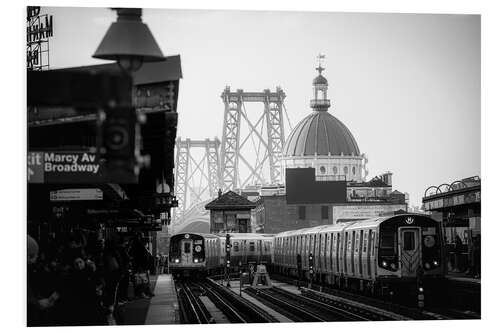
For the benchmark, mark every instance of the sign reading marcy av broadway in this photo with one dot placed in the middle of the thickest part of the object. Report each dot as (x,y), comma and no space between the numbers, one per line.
(64,167)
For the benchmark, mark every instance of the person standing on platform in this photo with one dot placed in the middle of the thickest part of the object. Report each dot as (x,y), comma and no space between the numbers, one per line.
(123,252)
(141,262)
(37,306)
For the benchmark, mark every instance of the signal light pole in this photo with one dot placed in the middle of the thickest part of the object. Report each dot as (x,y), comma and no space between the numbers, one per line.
(311,269)
(228,261)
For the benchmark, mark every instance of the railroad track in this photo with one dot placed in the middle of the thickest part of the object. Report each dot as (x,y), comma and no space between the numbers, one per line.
(192,309)
(304,309)
(393,309)
(235,308)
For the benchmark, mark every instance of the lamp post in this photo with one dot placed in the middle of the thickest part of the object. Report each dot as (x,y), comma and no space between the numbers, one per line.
(129,41)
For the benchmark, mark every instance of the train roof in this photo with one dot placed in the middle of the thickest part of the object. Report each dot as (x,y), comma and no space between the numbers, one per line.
(247,236)
(368,223)
(194,233)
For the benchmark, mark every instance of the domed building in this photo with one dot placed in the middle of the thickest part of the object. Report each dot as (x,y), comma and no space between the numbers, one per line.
(323,142)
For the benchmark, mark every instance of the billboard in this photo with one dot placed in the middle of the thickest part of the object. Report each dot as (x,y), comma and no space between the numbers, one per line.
(303,188)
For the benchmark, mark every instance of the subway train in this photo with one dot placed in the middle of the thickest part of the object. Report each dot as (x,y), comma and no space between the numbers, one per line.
(205,254)
(371,255)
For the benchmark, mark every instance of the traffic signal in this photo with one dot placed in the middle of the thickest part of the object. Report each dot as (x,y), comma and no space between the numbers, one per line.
(228,243)
(311,263)
(118,138)
(119,133)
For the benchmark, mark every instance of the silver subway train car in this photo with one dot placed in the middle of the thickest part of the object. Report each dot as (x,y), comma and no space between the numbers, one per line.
(365,255)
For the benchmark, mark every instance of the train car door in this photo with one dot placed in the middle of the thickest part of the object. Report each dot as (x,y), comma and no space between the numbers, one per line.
(187,251)
(409,250)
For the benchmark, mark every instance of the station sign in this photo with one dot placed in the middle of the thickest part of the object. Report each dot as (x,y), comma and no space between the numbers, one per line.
(64,167)
(77,194)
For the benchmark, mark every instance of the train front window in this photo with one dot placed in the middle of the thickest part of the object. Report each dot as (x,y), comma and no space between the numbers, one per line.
(408,241)
(187,247)
(387,240)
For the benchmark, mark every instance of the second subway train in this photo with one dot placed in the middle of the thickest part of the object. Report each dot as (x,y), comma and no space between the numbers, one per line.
(192,253)
(368,254)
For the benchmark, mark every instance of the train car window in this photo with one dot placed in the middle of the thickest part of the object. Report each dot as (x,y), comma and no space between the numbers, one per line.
(373,242)
(387,240)
(408,241)
(346,243)
(252,247)
(236,246)
(362,237)
(356,243)
(187,247)
(365,242)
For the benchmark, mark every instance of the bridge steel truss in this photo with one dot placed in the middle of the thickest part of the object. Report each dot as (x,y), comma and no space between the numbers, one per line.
(273,142)
(187,166)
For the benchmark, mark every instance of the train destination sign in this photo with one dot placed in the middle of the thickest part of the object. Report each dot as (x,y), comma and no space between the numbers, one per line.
(64,167)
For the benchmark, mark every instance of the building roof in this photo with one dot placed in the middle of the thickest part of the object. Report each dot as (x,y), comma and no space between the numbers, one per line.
(150,72)
(320,133)
(230,200)
(374,182)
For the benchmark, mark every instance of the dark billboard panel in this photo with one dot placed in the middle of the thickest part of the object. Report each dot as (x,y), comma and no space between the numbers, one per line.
(303,188)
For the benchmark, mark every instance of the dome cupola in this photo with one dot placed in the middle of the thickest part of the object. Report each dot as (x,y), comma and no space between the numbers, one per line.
(320,101)
(322,141)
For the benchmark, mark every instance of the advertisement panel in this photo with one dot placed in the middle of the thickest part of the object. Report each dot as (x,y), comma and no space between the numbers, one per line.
(302,188)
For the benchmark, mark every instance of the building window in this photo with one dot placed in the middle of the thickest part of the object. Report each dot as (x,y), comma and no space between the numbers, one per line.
(335,170)
(322,170)
(353,170)
(324,212)
(346,170)
(302,212)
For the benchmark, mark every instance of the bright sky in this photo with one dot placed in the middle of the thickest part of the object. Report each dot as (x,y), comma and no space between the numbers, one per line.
(406,85)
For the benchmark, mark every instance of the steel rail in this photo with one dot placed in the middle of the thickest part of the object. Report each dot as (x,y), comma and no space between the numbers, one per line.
(299,313)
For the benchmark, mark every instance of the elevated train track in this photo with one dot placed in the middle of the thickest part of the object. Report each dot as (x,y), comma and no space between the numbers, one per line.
(235,308)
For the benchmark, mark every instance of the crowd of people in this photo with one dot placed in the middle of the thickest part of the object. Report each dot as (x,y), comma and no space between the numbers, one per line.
(80,279)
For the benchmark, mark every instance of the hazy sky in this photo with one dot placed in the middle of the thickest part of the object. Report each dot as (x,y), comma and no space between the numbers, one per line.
(406,85)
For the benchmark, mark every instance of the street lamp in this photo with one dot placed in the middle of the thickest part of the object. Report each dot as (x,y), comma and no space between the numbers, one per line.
(129,41)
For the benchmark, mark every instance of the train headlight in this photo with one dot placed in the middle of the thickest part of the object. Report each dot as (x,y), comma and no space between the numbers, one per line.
(427,265)
(196,261)
(436,263)
(176,261)
(393,266)
(384,263)
(421,289)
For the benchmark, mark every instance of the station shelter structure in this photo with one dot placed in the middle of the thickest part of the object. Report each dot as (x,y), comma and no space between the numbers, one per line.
(457,206)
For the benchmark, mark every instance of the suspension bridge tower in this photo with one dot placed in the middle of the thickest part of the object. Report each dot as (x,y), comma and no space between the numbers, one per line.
(266,134)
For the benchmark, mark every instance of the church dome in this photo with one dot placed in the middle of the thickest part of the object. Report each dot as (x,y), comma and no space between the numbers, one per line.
(320,79)
(320,134)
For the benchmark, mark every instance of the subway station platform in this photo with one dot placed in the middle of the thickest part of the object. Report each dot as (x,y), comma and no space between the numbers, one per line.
(162,309)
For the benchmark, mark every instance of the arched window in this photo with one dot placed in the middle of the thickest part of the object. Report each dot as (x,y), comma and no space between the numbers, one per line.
(346,170)
(335,170)
(322,170)
(353,170)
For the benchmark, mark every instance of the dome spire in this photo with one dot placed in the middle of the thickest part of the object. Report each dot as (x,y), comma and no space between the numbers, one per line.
(320,102)
(320,68)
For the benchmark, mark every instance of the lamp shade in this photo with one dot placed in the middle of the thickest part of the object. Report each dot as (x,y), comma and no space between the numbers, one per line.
(129,38)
